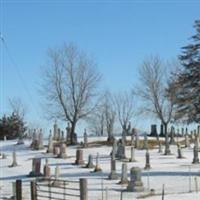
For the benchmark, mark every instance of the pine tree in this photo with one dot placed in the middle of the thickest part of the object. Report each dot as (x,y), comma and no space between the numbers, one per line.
(12,126)
(187,81)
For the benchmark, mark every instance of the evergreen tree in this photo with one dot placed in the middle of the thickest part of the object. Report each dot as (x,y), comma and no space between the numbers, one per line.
(12,126)
(187,81)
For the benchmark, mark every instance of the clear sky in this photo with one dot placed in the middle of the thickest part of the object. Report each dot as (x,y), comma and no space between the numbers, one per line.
(117,34)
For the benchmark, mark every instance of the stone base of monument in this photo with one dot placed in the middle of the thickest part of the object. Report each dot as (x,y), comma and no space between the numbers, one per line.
(147,166)
(113,175)
(135,187)
(132,160)
(90,165)
(97,169)
(34,174)
(124,182)
(20,142)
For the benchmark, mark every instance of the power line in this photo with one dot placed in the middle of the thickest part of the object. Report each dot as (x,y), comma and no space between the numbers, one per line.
(18,72)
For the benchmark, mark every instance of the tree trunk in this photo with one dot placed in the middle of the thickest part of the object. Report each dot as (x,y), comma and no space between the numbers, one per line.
(73,126)
(167,148)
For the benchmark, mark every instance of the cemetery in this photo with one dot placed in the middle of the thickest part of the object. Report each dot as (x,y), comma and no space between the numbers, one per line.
(99,100)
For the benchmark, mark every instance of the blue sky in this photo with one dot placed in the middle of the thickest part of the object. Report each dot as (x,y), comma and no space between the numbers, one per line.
(117,34)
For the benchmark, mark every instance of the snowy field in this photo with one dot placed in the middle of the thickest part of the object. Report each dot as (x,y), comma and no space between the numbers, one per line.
(175,174)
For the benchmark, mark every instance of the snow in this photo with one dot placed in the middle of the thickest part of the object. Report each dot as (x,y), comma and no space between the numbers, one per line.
(167,170)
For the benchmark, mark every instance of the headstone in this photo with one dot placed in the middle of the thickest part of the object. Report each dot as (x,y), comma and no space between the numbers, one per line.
(90,162)
(180,156)
(114,148)
(40,138)
(124,174)
(68,131)
(147,158)
(4,156)
(195,155)
(137,141)
(62,136)
(5,138)
(97,167)
(124,137)
(79,157)
(132,159)
(113,175)
(57,175)
(56,150)
(135,183)
(36,164)
(187,141)
(55,131)
(85,143)
(14,163)
(50,144)
(153,130)
(59,135)
(47,170)
(62,153)
(172,139)
(182,132)
(132,138)
(145,146)
(120,151)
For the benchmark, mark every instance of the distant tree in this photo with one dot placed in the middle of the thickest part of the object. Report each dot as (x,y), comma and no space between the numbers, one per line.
(103,118)
(12,126)
(186,81)
(152,90)
(125,109)
(70,83)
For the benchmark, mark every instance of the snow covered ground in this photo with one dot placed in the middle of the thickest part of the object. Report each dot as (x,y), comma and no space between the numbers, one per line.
(168,170)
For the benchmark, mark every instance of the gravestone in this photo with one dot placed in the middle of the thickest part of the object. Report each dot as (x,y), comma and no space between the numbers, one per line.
(113,175)
(47,170)
(132,138)
(55,131)
(62,153)
(62,136)
(180,156)
(132,159)
(40,142)
(195,155)
(124,137)
(59,135)
(124,174)
(68,132)
(97,167)
(145,145)
(147,159)
(182,132)
(56,182)
(153,130)
(137,141)
(56,150)
(50,144)
(187,141)
(79,157)
(172,134)
(90,162)
(114,147)
(36,164)
(120,151)
(14,162)
(85,137)
(135,183)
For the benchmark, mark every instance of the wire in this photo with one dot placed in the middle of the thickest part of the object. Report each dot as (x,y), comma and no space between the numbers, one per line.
(16,68)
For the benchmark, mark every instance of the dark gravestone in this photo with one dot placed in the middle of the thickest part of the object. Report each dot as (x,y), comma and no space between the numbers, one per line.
(153,130)
(36,164)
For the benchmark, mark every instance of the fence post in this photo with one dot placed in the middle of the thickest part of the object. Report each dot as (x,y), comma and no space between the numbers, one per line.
(18,189)
(33,191)
(83,189)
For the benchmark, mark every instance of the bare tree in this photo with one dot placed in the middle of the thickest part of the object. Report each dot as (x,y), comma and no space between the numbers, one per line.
(70,85)
(18,107)
(104,117)
(152,90)
(125,108)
